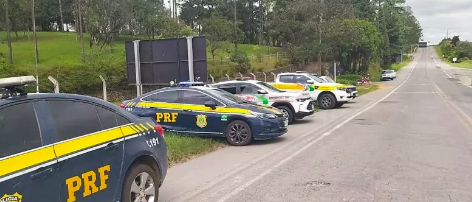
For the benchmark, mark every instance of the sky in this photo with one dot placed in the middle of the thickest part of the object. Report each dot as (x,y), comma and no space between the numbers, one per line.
(438,16)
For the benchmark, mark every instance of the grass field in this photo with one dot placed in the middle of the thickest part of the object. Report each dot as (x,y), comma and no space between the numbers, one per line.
(362,90)
(400,66)
(181,148)
(57,48)
(466,64)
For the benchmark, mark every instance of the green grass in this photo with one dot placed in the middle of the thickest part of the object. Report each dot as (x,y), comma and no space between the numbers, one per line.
(466,64)
(57,48)
(181,148)
(397,67)
(362,90)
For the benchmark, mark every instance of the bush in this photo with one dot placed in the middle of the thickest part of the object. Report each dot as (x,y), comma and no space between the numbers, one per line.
(242,61)
(345,81)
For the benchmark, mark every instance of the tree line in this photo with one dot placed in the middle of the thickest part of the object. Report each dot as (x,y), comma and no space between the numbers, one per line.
(455,48)
(356,33)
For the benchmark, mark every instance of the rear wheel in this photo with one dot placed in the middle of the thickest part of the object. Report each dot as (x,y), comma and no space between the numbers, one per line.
(238,133)
(327,101)
(141,184)
(288,113)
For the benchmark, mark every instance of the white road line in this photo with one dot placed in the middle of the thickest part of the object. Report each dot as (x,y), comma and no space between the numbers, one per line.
(415,92)
(260,176)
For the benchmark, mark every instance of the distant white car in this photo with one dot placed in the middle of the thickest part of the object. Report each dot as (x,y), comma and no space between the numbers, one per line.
(388,75)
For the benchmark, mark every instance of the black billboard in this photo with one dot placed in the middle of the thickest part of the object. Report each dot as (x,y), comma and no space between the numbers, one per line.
(166,60)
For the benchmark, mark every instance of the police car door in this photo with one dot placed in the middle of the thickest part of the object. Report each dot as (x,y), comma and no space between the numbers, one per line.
(164,108)
(89,148)
(28,165)
(198,118)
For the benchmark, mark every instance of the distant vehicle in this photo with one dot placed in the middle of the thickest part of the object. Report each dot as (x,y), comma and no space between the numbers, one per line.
(295,105)
(201,110)
(327,95)
(388,75)
(64,147)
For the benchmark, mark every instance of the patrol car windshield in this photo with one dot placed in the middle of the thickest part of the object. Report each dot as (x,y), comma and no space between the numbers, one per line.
(228,96)
(329,80)
(316,79)
(272,88)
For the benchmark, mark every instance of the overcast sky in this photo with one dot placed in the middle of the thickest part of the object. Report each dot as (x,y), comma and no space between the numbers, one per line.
(438,16)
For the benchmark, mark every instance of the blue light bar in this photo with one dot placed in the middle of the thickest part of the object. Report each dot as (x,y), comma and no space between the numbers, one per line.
(190,83)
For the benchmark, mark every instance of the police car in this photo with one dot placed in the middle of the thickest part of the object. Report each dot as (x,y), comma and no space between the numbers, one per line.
(63,147)
(295,105)
(202,110)
(328,95)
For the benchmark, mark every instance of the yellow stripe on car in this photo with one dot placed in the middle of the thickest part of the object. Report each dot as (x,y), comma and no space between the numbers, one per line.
(81,143)
(200,108)
(26,160)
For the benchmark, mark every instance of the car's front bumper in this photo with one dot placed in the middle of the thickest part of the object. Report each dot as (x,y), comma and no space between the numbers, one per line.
(343,96)
(270,128)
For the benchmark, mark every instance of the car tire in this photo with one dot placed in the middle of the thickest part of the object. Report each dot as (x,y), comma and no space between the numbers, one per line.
(141,172)
(327,101)
(238,133)
(288,113)
(339,104)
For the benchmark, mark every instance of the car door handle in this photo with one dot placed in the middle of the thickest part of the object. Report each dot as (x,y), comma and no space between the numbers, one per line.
(112,146)
(187,110)
(42,173)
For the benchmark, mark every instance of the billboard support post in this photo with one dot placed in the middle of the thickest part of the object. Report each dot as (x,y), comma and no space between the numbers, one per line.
(137,65)
(190,58)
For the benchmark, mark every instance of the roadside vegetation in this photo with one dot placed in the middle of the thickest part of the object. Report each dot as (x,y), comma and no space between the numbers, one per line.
(454,48)
(362,90)
(181,148)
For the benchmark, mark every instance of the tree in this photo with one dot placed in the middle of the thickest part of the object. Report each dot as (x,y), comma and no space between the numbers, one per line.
(455,40)
(219,33)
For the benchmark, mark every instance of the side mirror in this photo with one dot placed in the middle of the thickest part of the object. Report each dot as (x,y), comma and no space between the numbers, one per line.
(211,104)
(310,82)
(262,92)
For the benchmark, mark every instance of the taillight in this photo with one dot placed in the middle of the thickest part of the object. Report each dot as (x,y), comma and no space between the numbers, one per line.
(159,130)
(122,105)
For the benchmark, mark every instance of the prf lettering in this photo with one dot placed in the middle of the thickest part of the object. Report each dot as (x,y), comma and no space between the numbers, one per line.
(166,117)
(88,181)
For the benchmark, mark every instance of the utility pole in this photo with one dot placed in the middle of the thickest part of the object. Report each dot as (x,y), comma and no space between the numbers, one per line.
(62,16)
(235,28)
(320,32)
(35,38)
(81,29)
(10,51)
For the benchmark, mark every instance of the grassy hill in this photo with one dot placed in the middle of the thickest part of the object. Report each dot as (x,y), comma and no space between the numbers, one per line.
(57,48)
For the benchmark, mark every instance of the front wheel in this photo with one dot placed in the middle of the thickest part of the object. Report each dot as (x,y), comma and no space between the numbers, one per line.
(141,184)
(287,113)
(327,101)
(238,133)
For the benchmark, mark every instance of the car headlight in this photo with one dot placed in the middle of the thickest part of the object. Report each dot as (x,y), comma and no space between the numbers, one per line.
(341,89)
(264,115)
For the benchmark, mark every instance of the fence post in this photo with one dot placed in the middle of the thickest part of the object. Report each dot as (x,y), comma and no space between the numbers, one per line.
(55,83)
(253,76)
(275,76)
(104,88)
(240,74)
(265,76)
(227,77)
(212,79)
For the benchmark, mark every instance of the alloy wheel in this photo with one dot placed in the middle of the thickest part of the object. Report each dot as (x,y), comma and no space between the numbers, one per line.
(143,188)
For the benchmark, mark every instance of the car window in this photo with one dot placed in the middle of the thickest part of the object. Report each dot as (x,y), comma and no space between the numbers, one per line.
(301,79)
(171,96)
(19,130)
(229,89)
(121,120)
(73,119)
(286,79)
(194,97)
(107,118)
(249,89)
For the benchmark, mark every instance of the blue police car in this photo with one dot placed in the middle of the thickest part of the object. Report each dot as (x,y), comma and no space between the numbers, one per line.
(194,108)
(63,147)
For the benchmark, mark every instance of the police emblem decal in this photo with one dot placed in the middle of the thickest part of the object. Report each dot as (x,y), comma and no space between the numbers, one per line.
(11,198)
(201,121)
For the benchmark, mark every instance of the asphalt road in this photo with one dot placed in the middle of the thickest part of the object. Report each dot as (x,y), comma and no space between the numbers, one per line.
(409,141)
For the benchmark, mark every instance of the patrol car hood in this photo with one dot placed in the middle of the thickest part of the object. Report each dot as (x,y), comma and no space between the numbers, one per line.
(258,108)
